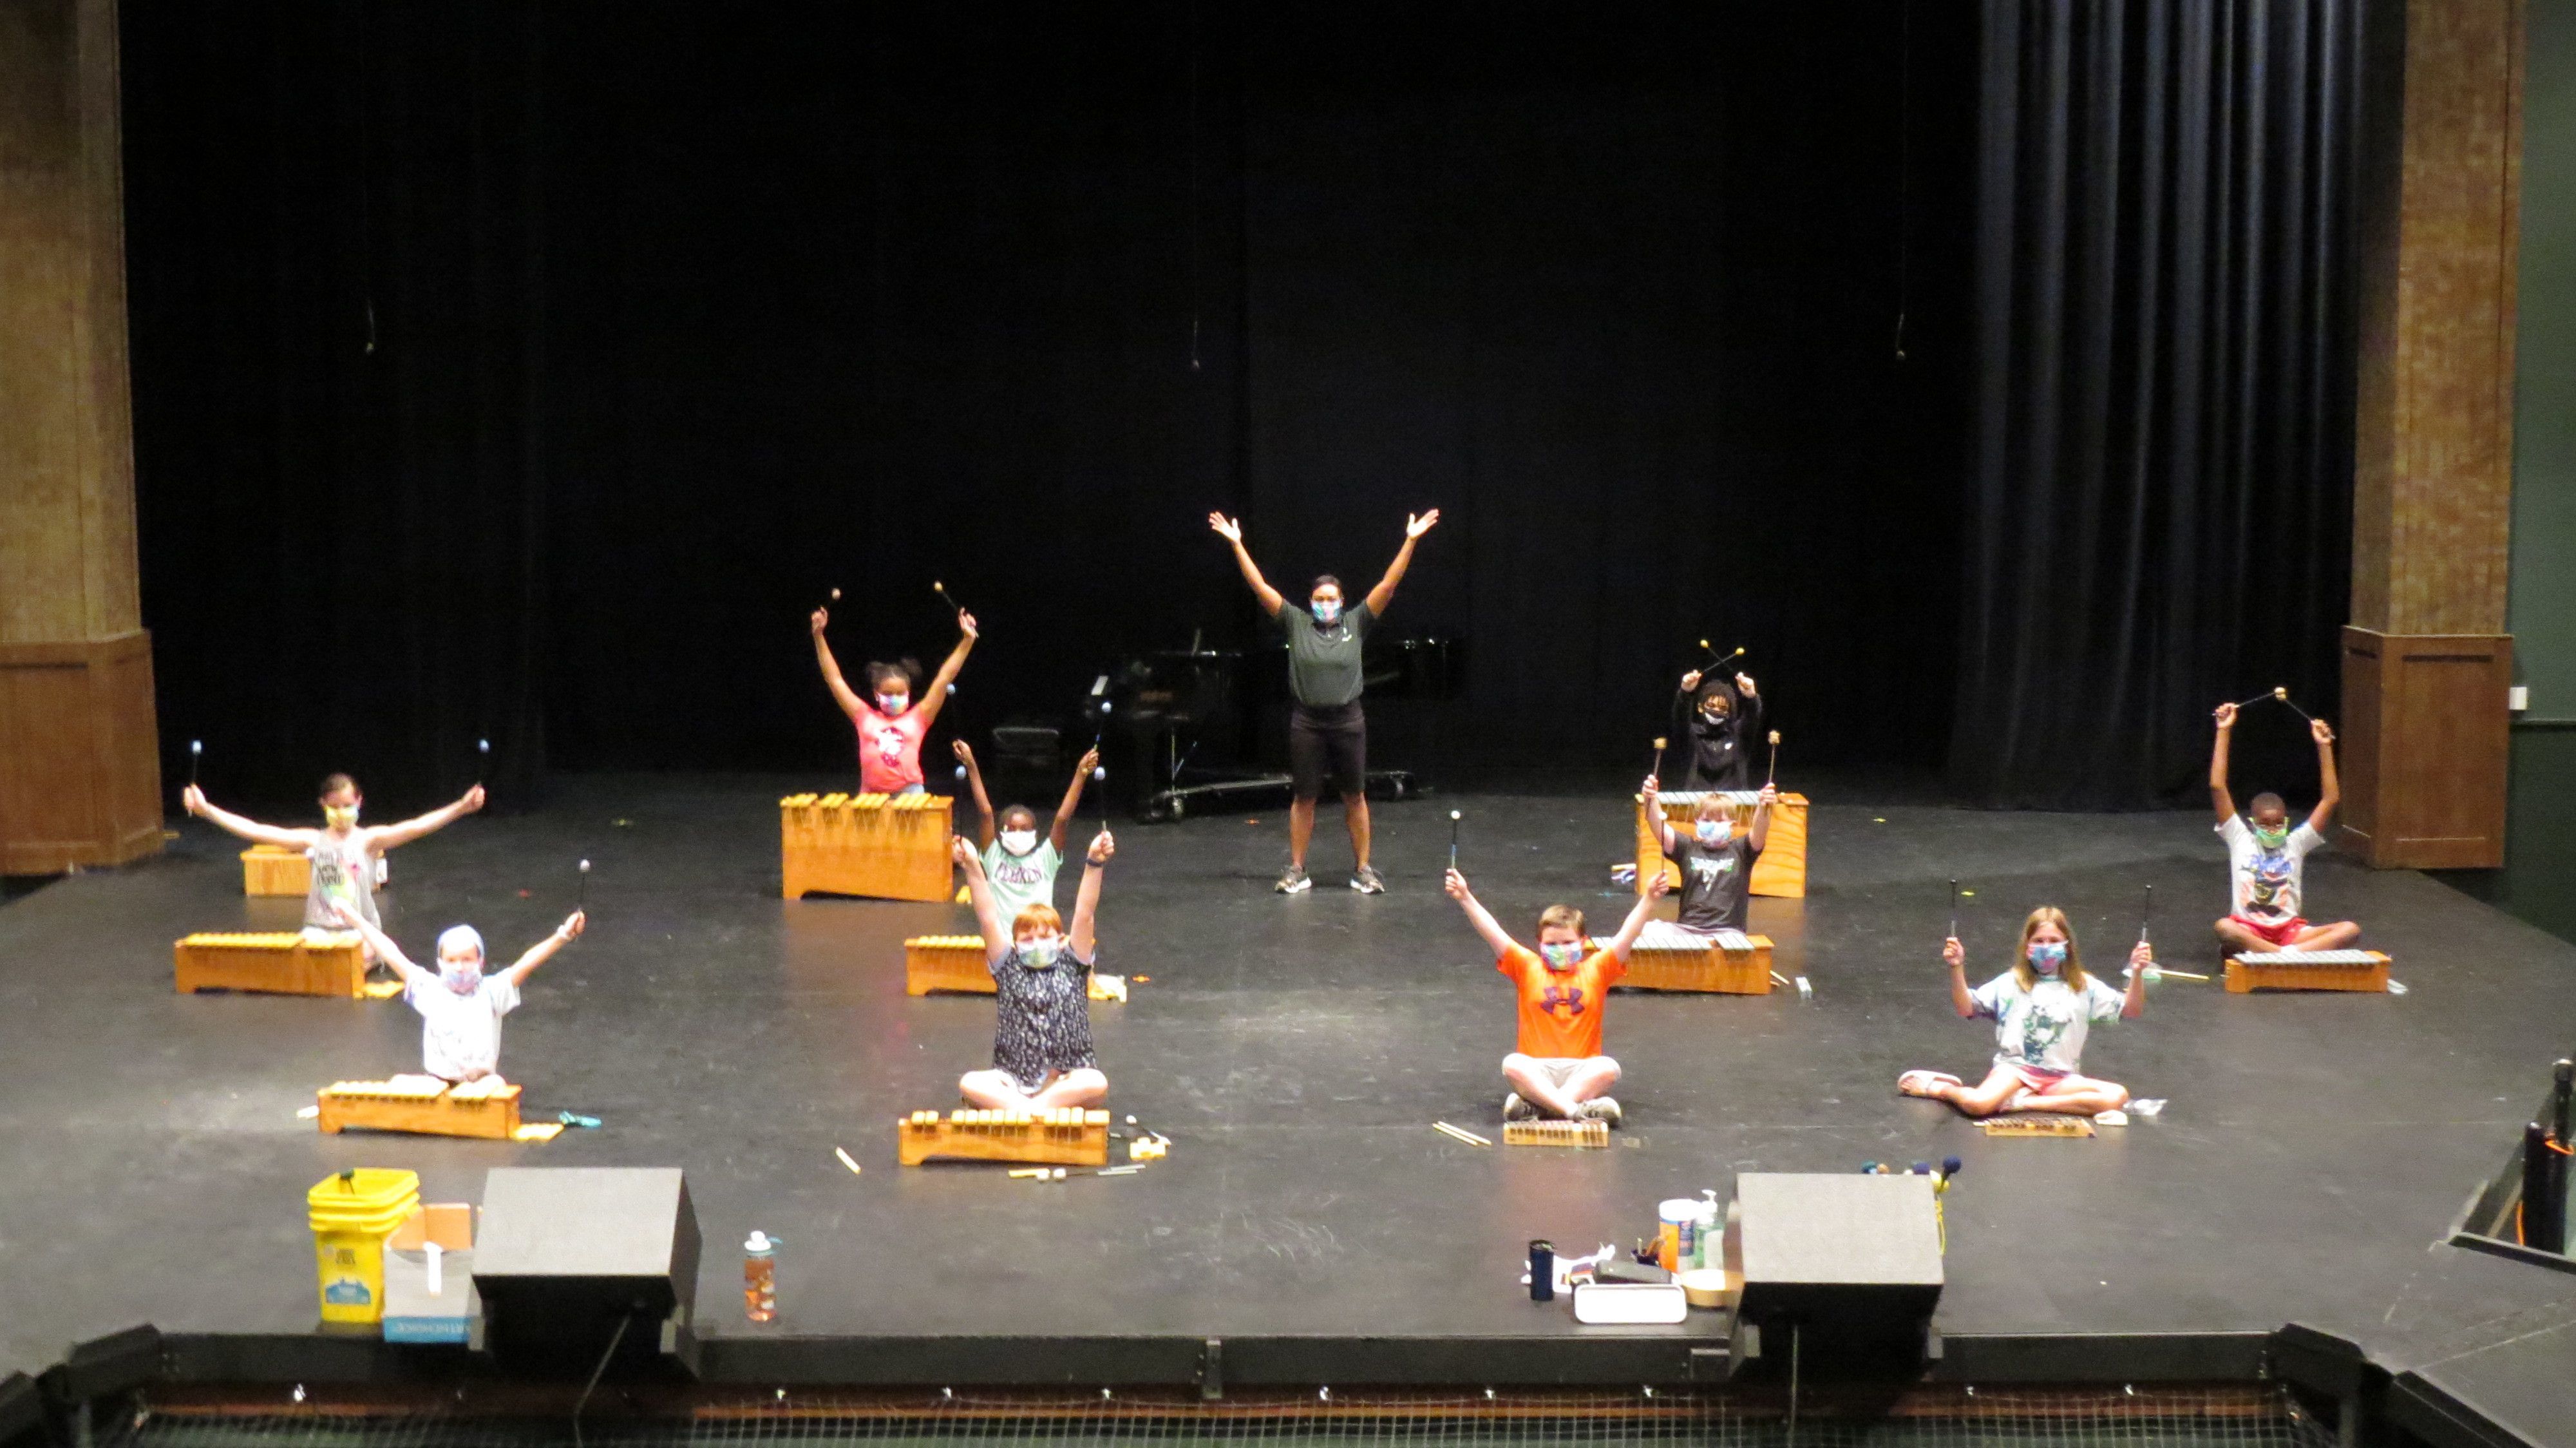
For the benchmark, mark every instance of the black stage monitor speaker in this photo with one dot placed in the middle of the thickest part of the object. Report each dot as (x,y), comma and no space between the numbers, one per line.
(574,1261)
(1842,1271)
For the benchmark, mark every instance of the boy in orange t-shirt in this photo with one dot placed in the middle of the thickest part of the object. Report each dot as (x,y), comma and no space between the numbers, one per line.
(1558,1069)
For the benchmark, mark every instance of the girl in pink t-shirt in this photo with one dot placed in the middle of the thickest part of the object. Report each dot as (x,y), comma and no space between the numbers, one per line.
(891,725)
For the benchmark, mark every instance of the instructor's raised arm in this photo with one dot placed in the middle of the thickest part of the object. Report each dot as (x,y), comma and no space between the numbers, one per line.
(1231,530)
(1414,527)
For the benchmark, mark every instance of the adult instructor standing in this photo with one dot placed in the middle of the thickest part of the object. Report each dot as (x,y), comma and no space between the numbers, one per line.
(1326,730)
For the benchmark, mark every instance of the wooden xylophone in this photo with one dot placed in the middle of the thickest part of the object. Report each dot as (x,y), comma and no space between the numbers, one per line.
(1556,1133)
(280,962)
(423,1106)
(275,870)
(891,846)
(1667,957)
(1781,868)
(2361,970)
(1068,1136)
(946,963)
(955,963)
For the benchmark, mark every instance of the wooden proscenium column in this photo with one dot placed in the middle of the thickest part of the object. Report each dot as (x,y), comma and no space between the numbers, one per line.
(80,776)
(2427,664)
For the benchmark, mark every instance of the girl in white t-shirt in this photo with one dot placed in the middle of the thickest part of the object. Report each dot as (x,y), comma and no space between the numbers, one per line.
(460,1007)
(2042,1009)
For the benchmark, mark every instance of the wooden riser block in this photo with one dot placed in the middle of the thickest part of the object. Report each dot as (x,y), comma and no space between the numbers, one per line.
(1780,870)
(2369,979)
(375,1106)
(988,1136)
(1723,972)
(275,870)
(946,963)
(282,963)
(1585,1135)
(888,847)
(2038,1124)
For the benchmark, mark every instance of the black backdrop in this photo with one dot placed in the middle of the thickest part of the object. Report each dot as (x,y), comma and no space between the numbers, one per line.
(529,370)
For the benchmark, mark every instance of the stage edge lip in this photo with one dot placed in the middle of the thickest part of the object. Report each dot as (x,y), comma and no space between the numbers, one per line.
(1592,1357)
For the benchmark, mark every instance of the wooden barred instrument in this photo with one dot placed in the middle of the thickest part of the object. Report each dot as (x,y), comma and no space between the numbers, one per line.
(889,846)
(1066,1136)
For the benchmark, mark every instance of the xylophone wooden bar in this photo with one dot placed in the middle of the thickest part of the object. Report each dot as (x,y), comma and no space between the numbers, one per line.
(1591,1134)
(1067,1136)
(891,847)
(277,962)
(1667,957)
(426,1107)
(1781,868)
(2352,970)
(275,870)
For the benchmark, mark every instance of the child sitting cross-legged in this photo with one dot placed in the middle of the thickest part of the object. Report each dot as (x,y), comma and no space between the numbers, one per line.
(1559,1069)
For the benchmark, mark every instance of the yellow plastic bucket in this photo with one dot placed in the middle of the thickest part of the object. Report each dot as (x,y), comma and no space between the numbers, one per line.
(353,1213)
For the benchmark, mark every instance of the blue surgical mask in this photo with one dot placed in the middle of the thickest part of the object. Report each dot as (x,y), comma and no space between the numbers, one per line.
(2047,955)
(1563,957)
(1328,614)
(1039,952)
(1712,832)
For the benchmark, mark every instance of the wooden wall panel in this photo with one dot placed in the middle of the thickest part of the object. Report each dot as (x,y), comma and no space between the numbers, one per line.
(2425,744)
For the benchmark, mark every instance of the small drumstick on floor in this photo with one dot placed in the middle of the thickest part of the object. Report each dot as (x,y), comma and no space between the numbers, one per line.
(1469,1137)
(847,1162)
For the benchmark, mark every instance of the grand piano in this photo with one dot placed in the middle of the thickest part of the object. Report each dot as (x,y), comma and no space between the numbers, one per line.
(1185,718)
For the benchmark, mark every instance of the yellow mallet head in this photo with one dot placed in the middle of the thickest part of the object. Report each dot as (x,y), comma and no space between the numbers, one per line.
(2281,693)
(1775,736)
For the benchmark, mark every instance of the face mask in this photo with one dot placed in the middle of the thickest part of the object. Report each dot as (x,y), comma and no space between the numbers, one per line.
(1038,952)
(2271,839)
(1714,716)
(1019,842)
(1562,957)
(340,817)
(461,976)
(2047,955)
(893,704)
(1712,832)
(1328,614)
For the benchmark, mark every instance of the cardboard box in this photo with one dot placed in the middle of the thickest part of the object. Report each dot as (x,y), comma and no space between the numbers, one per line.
(422,1305)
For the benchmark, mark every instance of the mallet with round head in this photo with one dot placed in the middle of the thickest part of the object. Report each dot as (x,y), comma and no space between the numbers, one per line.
(196,751)
(581,892)
(1454,817)
(1772,774)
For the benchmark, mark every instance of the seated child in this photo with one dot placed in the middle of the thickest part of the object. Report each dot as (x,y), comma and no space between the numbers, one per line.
(461,1007)
(2042,1008)
(1558,1070)
(1020,866)
(1716,863)
(1042,1055)
(890,723)
(2267,858)
(343,855)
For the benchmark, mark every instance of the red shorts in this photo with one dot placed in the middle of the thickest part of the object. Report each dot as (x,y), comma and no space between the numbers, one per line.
(2285,933)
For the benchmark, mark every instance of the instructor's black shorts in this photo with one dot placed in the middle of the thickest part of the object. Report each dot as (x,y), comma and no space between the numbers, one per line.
(1328,740)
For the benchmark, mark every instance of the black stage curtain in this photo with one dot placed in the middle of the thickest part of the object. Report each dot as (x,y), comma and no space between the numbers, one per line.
(2159,491)
(684,315)
(334,237)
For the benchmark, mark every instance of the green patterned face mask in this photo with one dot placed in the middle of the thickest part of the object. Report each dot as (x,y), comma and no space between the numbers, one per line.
(2272,839)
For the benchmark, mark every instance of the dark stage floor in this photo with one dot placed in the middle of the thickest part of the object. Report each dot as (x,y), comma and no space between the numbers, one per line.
(1297,1051)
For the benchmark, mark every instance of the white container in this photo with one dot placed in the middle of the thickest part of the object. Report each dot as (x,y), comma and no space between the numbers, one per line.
(1630,1303)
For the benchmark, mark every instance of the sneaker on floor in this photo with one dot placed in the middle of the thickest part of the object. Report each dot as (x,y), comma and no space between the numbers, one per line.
(1515,1109)
(1368,881)
(1293,881)
(1601,1108)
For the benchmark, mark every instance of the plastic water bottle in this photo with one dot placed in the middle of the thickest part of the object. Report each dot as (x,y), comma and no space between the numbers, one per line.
(760,1278)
